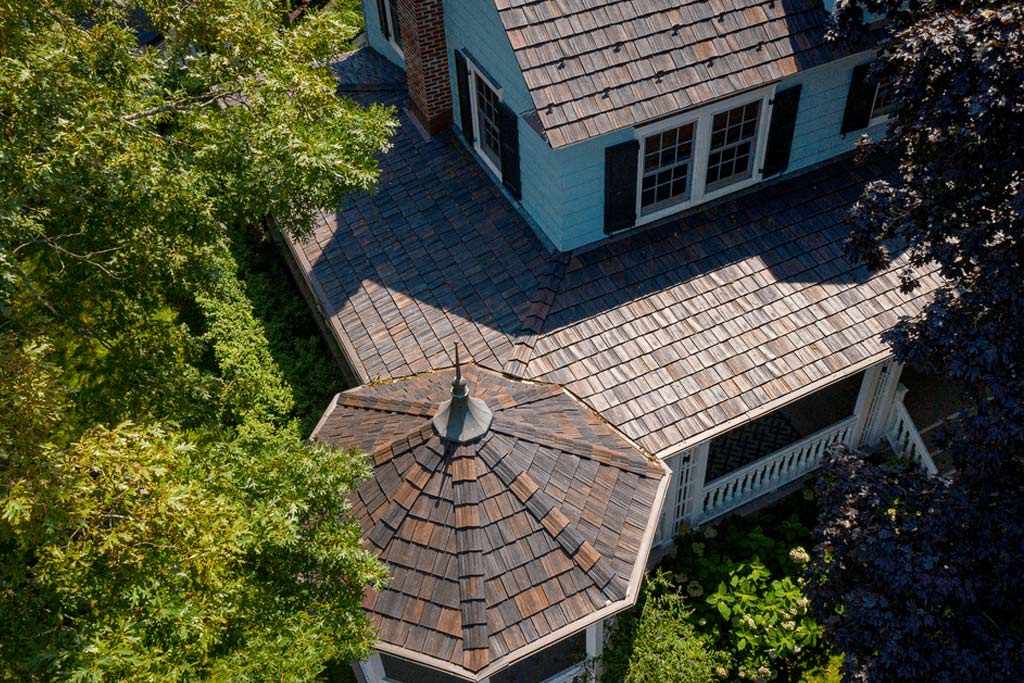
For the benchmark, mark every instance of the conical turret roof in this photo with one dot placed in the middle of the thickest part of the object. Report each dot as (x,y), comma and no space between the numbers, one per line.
(506,543)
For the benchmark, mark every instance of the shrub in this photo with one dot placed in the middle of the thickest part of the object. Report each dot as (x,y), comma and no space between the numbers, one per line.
(655,641)
(743,578)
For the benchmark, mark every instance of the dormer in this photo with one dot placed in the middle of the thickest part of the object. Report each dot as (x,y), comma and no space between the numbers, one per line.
(601,117)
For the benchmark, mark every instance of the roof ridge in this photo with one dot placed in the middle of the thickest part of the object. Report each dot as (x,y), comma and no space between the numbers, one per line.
(399,444)
(548,285)
(527,432)
(386,404)
(532,395)
(545,510)
(467,495)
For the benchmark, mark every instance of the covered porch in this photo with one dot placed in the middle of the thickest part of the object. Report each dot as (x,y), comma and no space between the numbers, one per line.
(758,458)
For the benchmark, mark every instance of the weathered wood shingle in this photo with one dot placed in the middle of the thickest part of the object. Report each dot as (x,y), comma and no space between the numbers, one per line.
(593,67)
(497,544)
(672,333)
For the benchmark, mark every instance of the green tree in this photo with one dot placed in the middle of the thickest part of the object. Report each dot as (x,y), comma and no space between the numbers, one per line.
(135,553)
(124,170)
(161,518)
(655,641)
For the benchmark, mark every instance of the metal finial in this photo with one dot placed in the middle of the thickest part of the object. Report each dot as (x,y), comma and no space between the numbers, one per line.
(462,418)
(459,389)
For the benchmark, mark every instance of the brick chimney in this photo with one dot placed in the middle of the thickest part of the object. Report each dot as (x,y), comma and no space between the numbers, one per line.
(426,62)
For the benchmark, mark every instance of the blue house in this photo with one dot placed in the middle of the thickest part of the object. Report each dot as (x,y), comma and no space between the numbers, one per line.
(629,218)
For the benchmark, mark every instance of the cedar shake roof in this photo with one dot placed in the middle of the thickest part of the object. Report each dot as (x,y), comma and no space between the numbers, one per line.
(674,333)
(593,67)
(504,545)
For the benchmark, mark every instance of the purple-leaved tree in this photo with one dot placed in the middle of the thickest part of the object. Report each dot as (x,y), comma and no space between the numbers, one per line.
(917,579)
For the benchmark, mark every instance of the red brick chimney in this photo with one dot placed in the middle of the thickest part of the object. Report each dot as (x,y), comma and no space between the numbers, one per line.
(426,62)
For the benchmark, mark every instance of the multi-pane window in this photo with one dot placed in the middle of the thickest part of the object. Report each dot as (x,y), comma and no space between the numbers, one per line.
(883,103)
(488,135)
(666,168)
(731,154)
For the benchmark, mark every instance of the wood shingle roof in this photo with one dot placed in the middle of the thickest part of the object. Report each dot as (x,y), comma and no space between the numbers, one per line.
(503,545)
(673,333)
(593,67)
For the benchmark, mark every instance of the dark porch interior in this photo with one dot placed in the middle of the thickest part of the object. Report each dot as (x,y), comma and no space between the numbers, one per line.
(778,429)
(934,403)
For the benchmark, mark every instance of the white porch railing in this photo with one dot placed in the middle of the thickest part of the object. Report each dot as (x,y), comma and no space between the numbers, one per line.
(774,470)
(903,436)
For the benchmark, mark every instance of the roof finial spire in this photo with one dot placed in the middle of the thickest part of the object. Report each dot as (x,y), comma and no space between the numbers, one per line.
(459,389)
(463,418)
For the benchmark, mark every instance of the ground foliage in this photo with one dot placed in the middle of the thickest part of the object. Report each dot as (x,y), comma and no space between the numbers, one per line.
(741,581)
(162,518)
(903,562)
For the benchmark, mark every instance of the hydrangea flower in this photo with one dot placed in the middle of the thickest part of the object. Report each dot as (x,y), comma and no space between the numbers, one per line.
(799,555)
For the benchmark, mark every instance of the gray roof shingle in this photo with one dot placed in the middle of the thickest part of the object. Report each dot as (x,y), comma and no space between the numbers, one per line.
(673,333)
(593,67)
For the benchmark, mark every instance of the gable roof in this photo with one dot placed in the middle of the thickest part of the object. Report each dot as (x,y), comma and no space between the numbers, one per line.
(594,67)
(504,545)
(673,333)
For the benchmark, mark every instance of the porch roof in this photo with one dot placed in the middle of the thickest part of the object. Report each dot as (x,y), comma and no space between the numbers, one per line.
(672,333)
(503,546)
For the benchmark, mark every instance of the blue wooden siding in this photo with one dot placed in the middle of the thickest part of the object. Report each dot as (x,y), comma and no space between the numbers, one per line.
(820,115)
(374,35)
(476,29)
(576,217)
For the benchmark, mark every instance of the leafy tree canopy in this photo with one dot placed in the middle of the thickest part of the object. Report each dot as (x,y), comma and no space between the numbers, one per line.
(957,203)
(915,579)
(134,553)
(919,578)
(123,170)
(160,517)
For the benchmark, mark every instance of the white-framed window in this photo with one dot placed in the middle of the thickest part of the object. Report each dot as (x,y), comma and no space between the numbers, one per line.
(394,28)
(485,97)
(733,139)
(701,155)
(667,166)
(882,105)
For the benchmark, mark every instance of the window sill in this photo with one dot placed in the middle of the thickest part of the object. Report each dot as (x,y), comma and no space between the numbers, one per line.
(665,212)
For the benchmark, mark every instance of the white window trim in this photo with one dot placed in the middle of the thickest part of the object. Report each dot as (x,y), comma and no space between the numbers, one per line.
(701,118)
(473,71)
(391,23)
(877,119)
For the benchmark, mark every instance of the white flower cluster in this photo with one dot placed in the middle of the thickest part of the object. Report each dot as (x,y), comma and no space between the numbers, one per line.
(799,555)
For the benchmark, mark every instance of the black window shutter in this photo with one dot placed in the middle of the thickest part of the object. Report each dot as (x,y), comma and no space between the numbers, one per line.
(381,14)
(620,169)
(508,130)
(780,131)
(465,105)
(859,100)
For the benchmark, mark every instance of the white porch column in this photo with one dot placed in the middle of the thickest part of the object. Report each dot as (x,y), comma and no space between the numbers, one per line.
(694,509)
(595,646)
(865,398)
(372,668)
(878,402)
